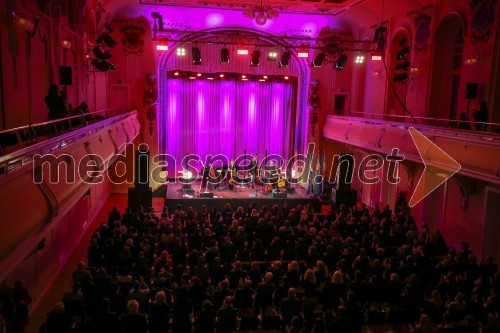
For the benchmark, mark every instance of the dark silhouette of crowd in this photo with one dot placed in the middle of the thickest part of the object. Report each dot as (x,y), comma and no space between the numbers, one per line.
(275,268)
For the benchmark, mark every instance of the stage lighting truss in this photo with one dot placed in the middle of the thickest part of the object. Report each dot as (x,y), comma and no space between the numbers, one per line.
(331,44)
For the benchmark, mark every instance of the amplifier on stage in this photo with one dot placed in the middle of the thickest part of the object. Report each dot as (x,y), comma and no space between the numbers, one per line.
(207,195)
(279,195)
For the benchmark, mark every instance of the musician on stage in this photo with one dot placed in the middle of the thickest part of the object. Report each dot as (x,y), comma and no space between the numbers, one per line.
(231,173)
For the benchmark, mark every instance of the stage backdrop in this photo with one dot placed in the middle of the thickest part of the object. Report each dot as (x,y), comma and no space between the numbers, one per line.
(225,117)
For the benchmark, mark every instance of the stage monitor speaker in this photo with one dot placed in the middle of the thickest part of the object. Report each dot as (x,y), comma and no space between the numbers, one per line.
(142,168)
(207,195)
(65,77)
(279,195)
(345,170)
(140,196)
(189,191)
(471,91)
(346,197)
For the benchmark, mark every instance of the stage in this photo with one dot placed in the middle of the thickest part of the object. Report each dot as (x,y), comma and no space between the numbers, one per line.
(240,196)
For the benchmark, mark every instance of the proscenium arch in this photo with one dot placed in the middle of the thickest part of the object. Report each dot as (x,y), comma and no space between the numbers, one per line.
(302,116)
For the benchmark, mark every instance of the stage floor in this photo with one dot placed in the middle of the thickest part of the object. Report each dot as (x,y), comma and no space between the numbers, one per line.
(241,196)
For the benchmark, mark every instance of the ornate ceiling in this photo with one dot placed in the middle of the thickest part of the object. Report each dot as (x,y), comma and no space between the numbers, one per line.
(324,7)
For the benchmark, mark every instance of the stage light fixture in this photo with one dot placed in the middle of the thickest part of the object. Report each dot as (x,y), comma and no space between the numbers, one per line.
(196,52)
(303,54)
(245,79)
(102,66)
(341,61)
(359,59)
(199,74)
(403,65)
(318,60)
(96,50)
(224,55)
(403,53)
(176,73)
(286,77)
(262,80)
(400,77)
(210,78)
(243,76)
(242,51)
(192,77)
(376,56)
(180,51)
(221,75)
(272,55)
(285,59)
(265,76)
(161,46)
(105,38)
(255,61)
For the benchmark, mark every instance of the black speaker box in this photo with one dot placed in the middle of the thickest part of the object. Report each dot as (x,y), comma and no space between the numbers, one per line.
(65,76)
(471,91)
(279,195)
(346,197)
(345,170)
(189,191)
(207,195)
(142,168)
(140,196)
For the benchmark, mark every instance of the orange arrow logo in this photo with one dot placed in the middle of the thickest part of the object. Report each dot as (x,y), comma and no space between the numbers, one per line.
(439,167)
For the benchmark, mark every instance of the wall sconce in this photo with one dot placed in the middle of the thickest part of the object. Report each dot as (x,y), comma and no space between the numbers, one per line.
(470,61)
(415,70)
(24,23)
(66,43)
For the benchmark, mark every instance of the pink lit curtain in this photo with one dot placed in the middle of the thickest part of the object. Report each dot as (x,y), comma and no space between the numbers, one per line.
(226,117)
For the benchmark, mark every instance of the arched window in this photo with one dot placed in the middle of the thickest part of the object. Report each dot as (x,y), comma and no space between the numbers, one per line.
(446,69)
(399,65)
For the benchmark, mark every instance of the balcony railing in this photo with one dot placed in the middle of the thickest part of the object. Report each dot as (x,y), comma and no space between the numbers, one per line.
(465,125)
(20,137)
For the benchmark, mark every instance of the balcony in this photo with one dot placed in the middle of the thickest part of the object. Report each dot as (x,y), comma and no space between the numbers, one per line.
(31,201)
(476,151)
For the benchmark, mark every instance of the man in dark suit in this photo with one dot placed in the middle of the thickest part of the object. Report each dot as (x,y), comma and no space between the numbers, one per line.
(290,307)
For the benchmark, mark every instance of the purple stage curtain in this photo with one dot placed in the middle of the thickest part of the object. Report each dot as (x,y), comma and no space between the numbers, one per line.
(225,117)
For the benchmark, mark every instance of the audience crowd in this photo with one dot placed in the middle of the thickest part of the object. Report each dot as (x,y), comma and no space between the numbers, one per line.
(278,268)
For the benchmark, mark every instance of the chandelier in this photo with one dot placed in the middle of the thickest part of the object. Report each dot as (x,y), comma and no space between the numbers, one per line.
(261,11)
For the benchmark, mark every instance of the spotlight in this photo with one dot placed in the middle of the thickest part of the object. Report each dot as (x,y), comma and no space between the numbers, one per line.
(100,54)
(318,60)
(265,76)
(403,53)
(285,59)
(180,51)
(243,76)
(376,56)
(286,77)
(196,55)
(242,51)
(161,46)
(224,55)
(272,55)
(303,54)
(403,65)
(255,61)
(66,43)
(221,75)
(262,80)
(102,66)
(176,73)
(199,74)
(400,77)
(359,59)
(105,38)
(341,61)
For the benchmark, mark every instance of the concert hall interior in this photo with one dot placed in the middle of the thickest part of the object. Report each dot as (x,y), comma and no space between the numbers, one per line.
(249,165)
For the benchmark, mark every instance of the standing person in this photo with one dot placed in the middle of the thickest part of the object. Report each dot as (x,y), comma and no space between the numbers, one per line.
(22,300)
(55,103)
(481,116)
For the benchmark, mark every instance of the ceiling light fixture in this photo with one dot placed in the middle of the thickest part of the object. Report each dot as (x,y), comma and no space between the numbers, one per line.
(181,51)
(272,55)
(261,11)
(242,51)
